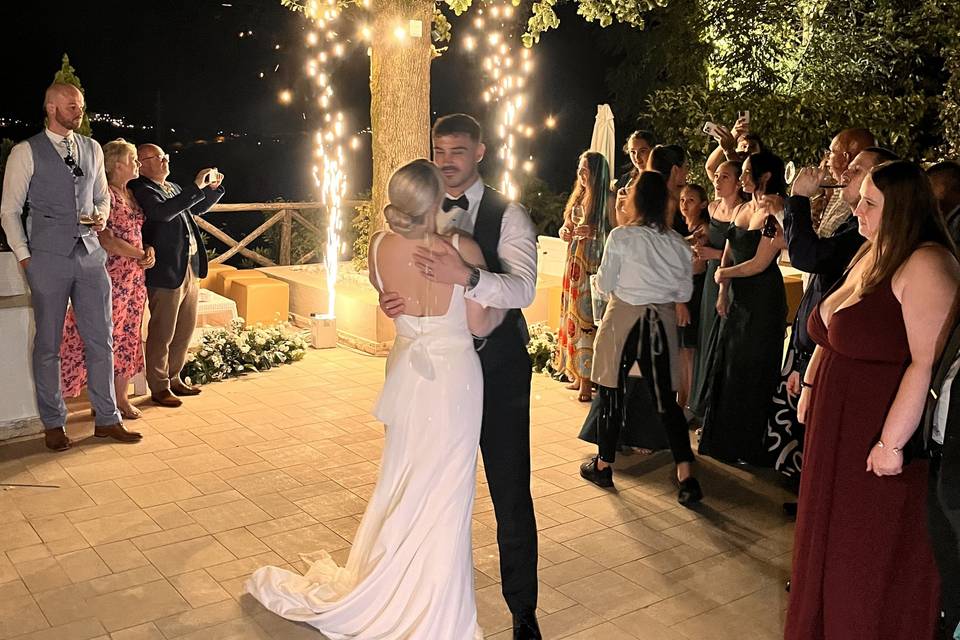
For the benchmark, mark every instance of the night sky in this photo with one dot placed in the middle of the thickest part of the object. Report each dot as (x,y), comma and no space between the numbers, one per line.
(180,64)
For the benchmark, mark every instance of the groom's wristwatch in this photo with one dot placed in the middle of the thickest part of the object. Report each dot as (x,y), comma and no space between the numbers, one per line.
(474,278)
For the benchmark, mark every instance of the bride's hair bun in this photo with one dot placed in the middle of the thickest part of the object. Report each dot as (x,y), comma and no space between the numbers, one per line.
(400,221)
(414,191)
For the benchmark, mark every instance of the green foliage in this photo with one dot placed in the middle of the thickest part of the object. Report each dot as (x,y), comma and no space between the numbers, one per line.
(302,240)
(542,348)
(361,238)
(649,59)
(233,351)
(68,75)
(805,70)
(783,121)
(542,15)
(544,205)
(950,104)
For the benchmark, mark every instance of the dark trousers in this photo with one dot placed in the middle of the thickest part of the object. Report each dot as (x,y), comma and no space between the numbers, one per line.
(505,444)
(944,524)
(653,357)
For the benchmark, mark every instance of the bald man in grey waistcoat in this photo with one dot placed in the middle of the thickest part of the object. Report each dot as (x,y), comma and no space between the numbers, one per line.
(58,176)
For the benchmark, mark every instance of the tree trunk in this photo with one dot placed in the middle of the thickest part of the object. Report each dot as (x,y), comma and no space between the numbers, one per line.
(400,93)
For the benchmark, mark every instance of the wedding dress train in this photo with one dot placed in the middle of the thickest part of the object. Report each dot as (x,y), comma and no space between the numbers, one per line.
(409,575)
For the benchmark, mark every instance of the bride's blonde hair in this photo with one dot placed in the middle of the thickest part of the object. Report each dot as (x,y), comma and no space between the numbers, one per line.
(414,191)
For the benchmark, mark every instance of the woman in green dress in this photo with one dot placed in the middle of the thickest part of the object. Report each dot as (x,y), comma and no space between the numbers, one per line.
(729,201)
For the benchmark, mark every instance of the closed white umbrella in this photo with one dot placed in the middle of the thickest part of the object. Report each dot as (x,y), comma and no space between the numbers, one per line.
(604,138)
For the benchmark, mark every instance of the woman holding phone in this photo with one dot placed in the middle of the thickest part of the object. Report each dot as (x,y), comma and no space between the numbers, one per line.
(752,306)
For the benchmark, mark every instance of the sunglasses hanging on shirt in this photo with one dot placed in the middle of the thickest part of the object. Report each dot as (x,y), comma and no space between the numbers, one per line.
(74,167)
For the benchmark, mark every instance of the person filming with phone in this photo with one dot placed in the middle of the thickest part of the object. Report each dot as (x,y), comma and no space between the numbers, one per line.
(181,260)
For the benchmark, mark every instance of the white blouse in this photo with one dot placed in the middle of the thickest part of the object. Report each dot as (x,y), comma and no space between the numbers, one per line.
(641,265)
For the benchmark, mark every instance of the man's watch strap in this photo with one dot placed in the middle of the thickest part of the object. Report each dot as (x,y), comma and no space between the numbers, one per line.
(474,279)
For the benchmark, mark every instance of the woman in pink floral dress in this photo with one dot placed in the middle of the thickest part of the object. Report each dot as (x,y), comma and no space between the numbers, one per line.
(127,260)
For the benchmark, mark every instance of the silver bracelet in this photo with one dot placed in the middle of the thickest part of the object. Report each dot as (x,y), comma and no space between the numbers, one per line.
(880,445)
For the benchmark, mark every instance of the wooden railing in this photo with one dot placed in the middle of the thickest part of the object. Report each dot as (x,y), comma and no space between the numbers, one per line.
(284,213)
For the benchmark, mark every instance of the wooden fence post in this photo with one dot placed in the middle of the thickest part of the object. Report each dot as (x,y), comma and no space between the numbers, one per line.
(286,231)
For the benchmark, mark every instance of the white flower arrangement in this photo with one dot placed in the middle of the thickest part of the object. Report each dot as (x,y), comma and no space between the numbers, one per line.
(233,351)
(542,347)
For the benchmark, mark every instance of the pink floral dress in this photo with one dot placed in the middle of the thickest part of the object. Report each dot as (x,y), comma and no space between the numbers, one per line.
(129,296)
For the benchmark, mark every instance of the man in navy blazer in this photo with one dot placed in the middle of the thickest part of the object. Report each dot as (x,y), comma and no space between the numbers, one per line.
(173,284)
(941,435)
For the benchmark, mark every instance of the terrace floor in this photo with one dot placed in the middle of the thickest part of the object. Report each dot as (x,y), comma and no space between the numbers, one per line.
(153,541)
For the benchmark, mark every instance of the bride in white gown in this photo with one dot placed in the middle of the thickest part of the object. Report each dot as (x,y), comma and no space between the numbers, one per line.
(409,575)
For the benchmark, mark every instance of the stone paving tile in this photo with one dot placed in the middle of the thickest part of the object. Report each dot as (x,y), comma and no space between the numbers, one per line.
(154,541)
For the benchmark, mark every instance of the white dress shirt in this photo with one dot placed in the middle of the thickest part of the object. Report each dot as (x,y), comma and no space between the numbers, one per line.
(641,266)
(516,287)
(16,184)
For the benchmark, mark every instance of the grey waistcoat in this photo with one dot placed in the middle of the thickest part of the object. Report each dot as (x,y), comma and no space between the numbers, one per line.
(57,199)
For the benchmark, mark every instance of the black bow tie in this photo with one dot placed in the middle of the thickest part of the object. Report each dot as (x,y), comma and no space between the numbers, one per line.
(450,203)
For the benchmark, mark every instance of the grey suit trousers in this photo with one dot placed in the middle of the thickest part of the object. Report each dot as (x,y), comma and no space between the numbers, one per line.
(80,278)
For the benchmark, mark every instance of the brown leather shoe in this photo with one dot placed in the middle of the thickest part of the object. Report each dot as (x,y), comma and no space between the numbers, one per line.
(166,399)
(117,432)
(56,439)
(181,389)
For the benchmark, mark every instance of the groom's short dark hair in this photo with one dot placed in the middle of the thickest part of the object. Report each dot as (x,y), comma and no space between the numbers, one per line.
(458,123)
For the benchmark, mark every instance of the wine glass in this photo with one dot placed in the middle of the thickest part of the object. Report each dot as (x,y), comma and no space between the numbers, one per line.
(577,215)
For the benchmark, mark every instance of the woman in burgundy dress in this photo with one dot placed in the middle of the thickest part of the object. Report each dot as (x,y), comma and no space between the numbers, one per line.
(126,262)
(863,566)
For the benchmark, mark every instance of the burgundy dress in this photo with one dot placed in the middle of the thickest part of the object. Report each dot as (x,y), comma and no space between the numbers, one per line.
(863,566)
(129,295)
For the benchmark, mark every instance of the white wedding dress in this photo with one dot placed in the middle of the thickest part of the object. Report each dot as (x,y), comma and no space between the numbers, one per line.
(409,575)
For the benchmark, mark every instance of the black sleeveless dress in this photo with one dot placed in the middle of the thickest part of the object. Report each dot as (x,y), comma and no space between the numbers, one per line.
(745,366)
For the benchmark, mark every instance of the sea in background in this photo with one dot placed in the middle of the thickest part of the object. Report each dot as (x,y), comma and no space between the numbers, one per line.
(255,169)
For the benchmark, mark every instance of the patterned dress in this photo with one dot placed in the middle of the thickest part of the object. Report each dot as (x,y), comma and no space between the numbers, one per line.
(129,295)
(575,349)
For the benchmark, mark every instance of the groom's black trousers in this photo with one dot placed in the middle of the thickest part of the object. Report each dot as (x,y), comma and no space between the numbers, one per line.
(505,444)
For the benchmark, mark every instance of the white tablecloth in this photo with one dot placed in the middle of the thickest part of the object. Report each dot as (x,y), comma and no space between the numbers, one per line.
(214,310)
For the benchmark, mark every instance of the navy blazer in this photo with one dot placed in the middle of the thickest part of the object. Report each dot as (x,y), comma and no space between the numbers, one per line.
(825,259)
(165,228)
(950,464)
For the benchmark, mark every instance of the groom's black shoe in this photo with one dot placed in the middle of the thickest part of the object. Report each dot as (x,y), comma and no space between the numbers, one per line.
(525,626)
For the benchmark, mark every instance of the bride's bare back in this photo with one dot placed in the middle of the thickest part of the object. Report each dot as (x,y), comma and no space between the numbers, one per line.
(394,263)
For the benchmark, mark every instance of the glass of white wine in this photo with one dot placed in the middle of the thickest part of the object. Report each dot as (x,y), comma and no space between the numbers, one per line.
(577,215)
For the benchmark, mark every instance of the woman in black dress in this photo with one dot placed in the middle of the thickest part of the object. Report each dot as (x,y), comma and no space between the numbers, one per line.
(752,304)
(693,208)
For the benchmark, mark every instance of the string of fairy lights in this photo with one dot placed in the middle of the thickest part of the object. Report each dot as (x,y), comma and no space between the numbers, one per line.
(494,33)
(507,66)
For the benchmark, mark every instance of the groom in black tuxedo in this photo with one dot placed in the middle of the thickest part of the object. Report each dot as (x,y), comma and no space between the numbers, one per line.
(508,240)
(941,435)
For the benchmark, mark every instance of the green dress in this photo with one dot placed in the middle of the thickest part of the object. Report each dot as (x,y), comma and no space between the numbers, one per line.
(745,364)
(708,323)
